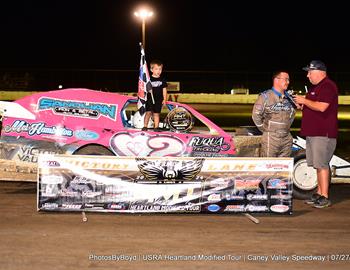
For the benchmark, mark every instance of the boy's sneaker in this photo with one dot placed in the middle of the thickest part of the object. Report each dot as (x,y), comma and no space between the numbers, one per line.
(156,129)
(313,199)
(144,129)
(322,202)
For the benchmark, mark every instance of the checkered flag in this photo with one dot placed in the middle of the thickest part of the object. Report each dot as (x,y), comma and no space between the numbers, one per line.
(145,85)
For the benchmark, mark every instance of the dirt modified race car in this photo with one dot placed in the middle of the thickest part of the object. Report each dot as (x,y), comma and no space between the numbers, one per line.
(88,122)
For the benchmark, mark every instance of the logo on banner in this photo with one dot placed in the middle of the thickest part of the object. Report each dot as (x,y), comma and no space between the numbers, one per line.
(235,208)
(279,208)
(49,206)
(276,166)
(214,208)
(277,184)
(256,208)
(247,184)
(214,197)
(281,197)
(251,197)
(52,163)
(170,170)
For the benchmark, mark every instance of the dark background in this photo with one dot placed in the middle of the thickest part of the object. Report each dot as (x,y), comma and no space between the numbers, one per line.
(206,45)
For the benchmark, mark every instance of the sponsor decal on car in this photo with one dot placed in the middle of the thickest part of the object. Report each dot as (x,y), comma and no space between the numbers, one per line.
(39,128)
(86,135)
(142,144)
(25,152)
(211,144)
(85,109)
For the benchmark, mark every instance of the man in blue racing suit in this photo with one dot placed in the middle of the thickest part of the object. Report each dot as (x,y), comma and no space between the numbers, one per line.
(273,114)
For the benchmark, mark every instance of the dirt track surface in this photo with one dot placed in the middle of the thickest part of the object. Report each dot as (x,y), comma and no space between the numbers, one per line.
(39,240)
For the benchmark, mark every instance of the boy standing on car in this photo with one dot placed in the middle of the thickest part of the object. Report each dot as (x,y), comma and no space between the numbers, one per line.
(273,114)
(319,124)
(159,91)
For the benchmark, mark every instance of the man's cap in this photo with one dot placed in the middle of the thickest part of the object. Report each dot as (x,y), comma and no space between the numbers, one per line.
(316,65)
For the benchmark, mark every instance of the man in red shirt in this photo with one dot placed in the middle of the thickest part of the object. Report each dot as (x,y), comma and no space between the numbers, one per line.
(319,125)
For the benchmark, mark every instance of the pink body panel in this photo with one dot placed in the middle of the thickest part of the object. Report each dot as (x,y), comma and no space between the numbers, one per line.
(78,117)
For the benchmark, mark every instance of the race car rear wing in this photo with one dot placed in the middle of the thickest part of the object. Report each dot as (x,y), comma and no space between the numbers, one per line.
(12,109)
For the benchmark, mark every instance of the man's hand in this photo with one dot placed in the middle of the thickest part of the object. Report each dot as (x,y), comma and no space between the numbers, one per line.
(313,105)
(299,99)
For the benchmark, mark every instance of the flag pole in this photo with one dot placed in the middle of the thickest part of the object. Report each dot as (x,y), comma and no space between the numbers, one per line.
(144,55)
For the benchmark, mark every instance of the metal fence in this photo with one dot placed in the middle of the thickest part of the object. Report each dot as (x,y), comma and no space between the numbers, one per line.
(126,80)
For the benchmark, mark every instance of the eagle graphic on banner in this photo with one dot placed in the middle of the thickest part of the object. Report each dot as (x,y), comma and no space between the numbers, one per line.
(170,170)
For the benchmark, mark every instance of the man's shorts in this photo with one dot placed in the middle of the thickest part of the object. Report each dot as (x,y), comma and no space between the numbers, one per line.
(319,151)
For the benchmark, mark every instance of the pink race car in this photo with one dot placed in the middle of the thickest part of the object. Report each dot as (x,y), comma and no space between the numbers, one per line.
(88,122)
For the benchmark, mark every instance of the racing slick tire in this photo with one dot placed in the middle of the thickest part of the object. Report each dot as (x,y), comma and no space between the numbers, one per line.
(304,178)
(94,150)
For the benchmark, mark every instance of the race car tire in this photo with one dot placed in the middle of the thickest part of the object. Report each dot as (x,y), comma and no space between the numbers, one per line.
(304,178)
(94,150)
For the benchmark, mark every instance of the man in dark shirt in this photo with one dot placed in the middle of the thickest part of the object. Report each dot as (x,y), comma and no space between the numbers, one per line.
(320,126)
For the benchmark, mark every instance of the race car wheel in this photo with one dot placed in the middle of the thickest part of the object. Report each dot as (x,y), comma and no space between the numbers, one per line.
(94,150)
(304,178)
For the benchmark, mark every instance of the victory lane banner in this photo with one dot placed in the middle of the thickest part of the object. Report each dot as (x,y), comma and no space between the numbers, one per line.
(164,184)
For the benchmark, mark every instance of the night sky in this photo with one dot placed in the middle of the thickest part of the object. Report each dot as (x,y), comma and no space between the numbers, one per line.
(185,34)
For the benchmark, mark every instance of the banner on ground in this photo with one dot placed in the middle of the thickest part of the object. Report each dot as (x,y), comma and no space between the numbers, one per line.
(164,185)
